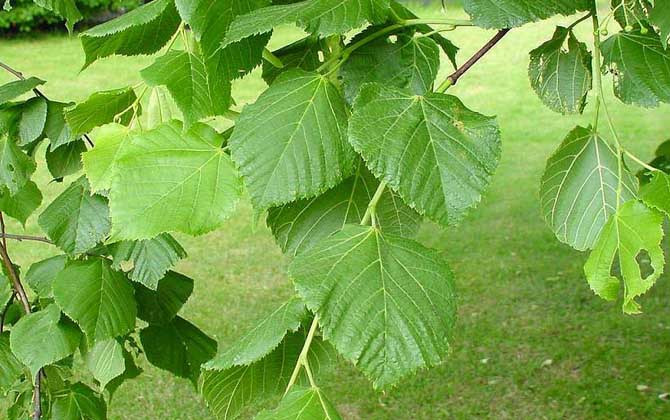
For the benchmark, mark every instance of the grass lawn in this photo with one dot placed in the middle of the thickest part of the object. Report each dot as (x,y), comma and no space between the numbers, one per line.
(523,296)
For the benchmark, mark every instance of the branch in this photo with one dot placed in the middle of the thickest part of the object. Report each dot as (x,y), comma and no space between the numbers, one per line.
(453,78)
(25,238)
(38,92)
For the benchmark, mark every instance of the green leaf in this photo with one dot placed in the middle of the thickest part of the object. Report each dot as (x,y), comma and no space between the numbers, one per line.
(22,204)
(40,275)
(160,306)
(12,369)
(132,371)
(42,338)
(160,109)
(101,108)
(141,31)
(151,258)
(302,54)
(657,193)
(17,88)
(32,121)
(409,63)
(511,13)
(65,160)
(98,298)
(186,173)
(301,225)
(305,153)
(561,76)
(263,338)
(79,402)
(16,167)
(437,154)
(633,230)
(105,361)
(100,162)
(395,296)
(189,348)
(262,21)
(630,13)
(660,17)
(67,9)
(302,404)
(55,128)
(227,391)
(197,92)
(640,66)
(76,220)
(578,192)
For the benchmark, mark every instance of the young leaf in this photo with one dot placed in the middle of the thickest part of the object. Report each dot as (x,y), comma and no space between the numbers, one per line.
(22,204)
(16,167)
(640,65)
(141,31)
(76,220)
(160,306)
(437,154)
(100,162)
(189,348)
(32,121)
(410,63)
(17,88)
(305,153)
(301,225)
(151,258)
(263,338)
(67,9)
(42,338)
(634,229)
(511,13)
(169,180)
(65,160)
(101,108)
(657,193)
(105,361)
(55,128)
(100,299)
(12,369)
(560,76)
(302,54)
(578,192)
(40,275)
(197,92)
(79,402)
(302,404)
(660,17)
(395,296)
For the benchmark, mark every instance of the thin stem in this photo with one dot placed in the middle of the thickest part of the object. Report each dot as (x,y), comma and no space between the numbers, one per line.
(37,399)
(371,211)
(598,79)
(640,162)
(272,59)
(580,20)
(302,358)
(24,238)
(453,78)
(450,22)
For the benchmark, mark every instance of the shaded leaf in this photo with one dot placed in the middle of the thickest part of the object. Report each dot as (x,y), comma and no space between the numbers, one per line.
(12,369)
(160,306)
(32,121)
(55,128)
(41,274)
(79,402)
(660,17)
(65,160)
(657,193)
(67,9)
(22,204)
(16,167)
(302,54)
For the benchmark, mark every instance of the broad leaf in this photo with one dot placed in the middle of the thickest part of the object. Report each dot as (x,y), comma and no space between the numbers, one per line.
(65,160)
(579,187)
(76,220)
(132,371)
(98,298)
(302,404)
(42,338)
(633,230)
(160,306)
(411,63)
(17,88)
(79,402)
(22,204)
(105,361)
(16,167)
(197,92)
(56,129)
(561,76)
(640,65)
(386,303)
(189,348)
(141,31)
(301,225)
(305,152)
(67,9)
(437,154)
(630,13)
(32,121)
(40,275)
(101,108)
(100,162)
(11,369)
(510,13)
(263,338)
(660,17)
(262,21)
(168,180)
(151,258)
(657,192)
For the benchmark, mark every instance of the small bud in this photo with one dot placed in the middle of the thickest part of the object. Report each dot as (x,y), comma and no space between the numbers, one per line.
(644,31)
(604,32)
(628,28)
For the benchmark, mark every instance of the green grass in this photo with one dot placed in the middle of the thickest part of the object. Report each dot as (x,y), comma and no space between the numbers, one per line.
(523,297)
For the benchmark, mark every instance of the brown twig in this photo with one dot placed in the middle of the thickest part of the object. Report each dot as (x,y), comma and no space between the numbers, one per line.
(24,238)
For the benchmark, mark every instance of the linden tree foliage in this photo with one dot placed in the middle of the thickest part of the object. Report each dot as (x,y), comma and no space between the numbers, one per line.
(352,145)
